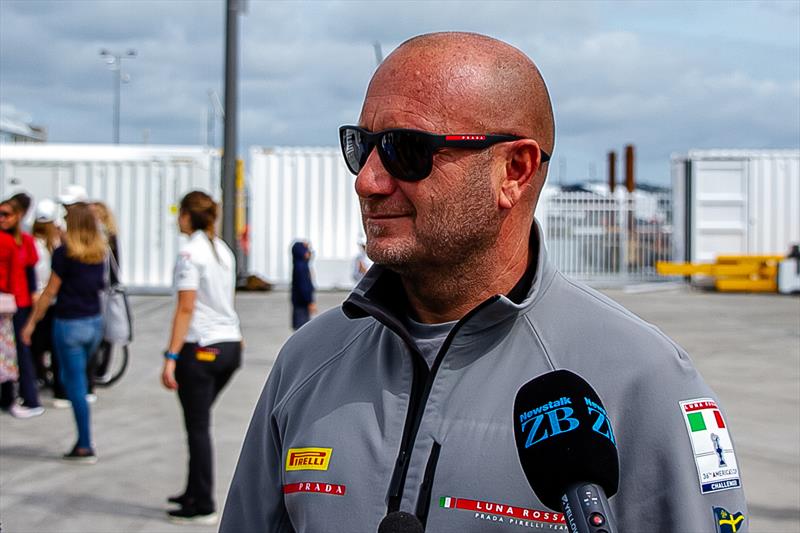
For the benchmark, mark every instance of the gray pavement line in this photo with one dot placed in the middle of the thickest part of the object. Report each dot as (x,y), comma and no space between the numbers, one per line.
(787,463)
(782,514)
(148,307)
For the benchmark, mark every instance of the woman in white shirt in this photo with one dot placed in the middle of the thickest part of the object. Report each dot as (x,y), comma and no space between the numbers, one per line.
(46,237)
(204,347)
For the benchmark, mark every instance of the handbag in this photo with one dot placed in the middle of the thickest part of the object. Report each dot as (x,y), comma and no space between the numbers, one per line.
(117,321)
(8,304)
(8,350)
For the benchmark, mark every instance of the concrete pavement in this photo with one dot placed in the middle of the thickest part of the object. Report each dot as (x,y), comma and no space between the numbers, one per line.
(746,346)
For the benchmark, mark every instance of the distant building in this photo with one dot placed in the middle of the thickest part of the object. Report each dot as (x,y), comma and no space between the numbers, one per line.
(15,127)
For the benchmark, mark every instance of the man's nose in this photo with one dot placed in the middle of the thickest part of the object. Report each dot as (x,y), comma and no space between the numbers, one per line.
(374,180)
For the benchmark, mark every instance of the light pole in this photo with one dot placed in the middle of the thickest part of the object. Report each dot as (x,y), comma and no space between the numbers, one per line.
(233,9)
(114,61)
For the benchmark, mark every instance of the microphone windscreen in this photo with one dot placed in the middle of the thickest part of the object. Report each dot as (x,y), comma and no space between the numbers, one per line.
(563,436)
(400,522)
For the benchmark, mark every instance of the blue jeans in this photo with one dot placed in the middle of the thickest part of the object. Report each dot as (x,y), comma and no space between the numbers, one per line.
(75,340)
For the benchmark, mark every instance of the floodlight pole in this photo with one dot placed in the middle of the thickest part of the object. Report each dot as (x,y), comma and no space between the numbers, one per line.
(114,61)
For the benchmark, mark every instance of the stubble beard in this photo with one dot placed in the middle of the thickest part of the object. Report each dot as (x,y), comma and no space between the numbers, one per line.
(449,237)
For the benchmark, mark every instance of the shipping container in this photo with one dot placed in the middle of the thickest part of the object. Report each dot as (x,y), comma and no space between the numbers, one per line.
(141,185)
(735,202)
(302,194)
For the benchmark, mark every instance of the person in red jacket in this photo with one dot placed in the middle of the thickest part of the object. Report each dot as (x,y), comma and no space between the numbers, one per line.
(8,262)
(22,273)
(8,349)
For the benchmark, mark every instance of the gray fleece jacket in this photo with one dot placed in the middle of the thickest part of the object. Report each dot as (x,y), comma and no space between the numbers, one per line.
(352,423)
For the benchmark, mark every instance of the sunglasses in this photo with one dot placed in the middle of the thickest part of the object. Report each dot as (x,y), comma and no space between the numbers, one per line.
(408,154)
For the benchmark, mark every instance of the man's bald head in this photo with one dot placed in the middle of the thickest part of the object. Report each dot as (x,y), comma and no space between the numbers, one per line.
(468,82)
(466,229)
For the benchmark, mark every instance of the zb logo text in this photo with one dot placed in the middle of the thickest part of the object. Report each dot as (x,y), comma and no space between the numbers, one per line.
(556,417)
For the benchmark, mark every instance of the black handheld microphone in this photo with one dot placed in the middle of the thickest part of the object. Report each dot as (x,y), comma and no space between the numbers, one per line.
(400,522)
(567,449)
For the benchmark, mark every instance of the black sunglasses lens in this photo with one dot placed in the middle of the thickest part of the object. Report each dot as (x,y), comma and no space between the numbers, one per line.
(356,149)
(407,155)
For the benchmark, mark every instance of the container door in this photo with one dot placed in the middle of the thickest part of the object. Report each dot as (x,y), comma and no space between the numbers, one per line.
(719,211)
(774,204)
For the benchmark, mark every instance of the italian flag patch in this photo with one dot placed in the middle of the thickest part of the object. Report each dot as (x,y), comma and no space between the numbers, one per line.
(697,420)
(447,502)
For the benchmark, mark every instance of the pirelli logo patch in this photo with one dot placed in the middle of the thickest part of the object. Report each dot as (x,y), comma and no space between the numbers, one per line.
(308,458)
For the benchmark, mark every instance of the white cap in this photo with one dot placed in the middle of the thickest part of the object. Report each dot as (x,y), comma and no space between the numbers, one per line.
(46,210)
(73,194)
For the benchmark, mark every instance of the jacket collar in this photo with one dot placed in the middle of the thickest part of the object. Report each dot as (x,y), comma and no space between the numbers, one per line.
(380,294)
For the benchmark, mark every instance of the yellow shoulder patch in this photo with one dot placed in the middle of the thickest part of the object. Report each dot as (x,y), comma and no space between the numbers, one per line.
(308,458)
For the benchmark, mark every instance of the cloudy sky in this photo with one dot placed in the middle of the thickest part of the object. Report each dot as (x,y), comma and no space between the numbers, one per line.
(666,76)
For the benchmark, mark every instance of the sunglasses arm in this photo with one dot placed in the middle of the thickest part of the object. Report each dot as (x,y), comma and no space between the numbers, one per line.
(471,141)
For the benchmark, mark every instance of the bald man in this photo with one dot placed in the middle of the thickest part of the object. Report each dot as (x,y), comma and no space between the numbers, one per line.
(402,398)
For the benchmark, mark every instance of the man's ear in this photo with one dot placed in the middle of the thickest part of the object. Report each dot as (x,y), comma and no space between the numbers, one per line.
(523,161)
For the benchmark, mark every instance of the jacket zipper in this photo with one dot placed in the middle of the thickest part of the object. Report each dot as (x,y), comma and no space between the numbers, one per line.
(416,408)
(426,489)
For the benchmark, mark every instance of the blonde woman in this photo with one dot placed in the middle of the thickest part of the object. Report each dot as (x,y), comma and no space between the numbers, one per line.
(76,279)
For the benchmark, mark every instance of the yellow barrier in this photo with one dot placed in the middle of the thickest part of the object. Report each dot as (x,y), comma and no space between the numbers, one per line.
(733,273)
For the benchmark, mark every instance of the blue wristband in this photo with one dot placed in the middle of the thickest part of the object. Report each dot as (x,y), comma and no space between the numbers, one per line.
(170,355)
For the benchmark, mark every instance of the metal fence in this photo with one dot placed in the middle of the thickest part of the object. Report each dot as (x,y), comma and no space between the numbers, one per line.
(607,238)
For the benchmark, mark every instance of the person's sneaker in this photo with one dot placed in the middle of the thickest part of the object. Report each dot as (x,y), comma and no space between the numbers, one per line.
(91,397)
(20,411)
(61,403)
(190,515)
(81,456)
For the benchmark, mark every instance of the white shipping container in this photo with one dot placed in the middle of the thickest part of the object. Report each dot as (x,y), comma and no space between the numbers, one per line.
(141,184)
(302,194)
(733,202)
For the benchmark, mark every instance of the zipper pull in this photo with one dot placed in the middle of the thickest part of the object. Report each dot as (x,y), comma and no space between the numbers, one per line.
(395,487)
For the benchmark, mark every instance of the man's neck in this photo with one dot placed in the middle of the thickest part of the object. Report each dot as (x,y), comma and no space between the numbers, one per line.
(438,295)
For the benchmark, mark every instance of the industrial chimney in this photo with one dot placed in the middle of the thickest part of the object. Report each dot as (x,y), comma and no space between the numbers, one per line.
(630,182)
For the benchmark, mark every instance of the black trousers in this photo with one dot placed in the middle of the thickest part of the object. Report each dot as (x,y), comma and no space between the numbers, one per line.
(42,343)
(27,370)
(202,372)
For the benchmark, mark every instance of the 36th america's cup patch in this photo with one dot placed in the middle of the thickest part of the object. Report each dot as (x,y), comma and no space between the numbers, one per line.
(510,514)
(711,445)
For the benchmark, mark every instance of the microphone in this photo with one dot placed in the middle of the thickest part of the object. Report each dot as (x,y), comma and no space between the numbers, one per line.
(400,522)
(567,449)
